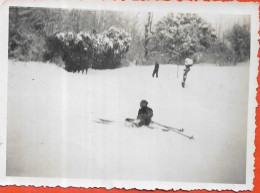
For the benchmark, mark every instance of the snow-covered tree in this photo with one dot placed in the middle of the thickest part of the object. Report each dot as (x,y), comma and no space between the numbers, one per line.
(26,27)
(239,37)
(183,34)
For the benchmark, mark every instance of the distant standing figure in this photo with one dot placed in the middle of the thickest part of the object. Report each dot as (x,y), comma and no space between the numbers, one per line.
(188,64)
(145,114)
(156,69)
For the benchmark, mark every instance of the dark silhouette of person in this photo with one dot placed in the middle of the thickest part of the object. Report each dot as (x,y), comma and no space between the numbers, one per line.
(156,69)
(145,114)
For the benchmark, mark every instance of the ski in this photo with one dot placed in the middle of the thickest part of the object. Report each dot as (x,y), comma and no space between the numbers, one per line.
(167,127)
(103,121)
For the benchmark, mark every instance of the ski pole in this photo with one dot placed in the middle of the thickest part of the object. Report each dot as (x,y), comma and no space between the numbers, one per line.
(189,137)
(167,127)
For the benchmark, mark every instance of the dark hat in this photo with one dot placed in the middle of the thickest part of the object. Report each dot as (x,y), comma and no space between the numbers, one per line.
(143,103)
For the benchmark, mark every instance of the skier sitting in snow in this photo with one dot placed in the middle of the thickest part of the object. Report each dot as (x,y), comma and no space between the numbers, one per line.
(188,64)
(145,114)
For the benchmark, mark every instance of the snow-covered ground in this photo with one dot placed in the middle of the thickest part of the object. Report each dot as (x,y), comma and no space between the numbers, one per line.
(52,130)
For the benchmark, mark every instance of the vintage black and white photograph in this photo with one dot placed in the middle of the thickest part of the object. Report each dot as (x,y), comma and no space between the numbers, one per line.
(129,95)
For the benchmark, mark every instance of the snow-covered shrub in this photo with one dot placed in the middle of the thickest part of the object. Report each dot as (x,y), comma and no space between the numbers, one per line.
(74,49)
(110,47)
(26,33)
(83,50)
(53,49)
(25,47)
(77,52)
(220,53)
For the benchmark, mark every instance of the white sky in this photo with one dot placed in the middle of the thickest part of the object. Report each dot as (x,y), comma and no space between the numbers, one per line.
(225,22)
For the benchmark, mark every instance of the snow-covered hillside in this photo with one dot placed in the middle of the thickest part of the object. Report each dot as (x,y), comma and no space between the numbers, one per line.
(52,130)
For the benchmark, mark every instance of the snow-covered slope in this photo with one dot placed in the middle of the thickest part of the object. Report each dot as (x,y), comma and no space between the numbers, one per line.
(52,130)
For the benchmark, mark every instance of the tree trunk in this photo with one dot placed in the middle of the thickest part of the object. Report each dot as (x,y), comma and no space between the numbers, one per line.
(146,34)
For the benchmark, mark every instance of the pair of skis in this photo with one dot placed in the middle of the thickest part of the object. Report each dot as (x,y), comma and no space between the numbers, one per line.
(164,127)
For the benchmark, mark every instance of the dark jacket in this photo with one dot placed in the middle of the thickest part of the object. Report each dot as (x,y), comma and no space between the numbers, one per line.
(156,67)
(145,115)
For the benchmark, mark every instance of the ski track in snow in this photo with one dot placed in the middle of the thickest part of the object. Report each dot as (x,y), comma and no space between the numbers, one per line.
(52,130)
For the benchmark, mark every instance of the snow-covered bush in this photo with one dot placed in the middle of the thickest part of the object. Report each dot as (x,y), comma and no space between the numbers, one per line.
(83,50)
(74,54)
(53,49)
(74,49)
(110,47)
(25,47)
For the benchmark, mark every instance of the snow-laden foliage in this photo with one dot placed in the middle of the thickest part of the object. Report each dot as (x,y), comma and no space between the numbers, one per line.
(71,48)
(183,34)
(83,50)
(110,47)
(239,37)
(25,34)
(188,35)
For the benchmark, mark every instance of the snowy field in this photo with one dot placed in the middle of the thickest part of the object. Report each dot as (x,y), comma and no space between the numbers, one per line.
(52,130)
